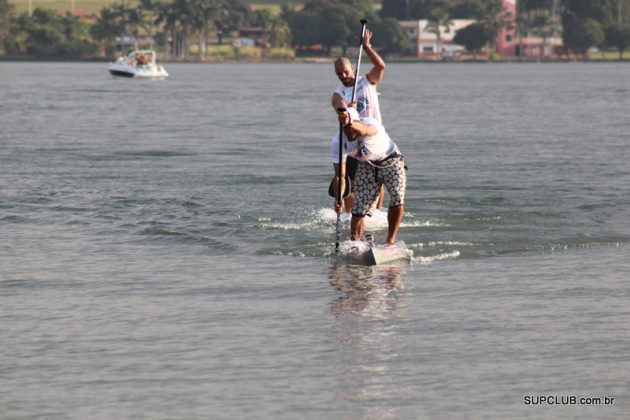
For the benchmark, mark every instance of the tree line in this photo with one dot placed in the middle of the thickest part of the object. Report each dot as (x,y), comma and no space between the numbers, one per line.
(317,26)
(582,24)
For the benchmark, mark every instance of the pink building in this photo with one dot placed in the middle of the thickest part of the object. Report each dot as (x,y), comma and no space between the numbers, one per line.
(509,44)
(506,38)
(425,39)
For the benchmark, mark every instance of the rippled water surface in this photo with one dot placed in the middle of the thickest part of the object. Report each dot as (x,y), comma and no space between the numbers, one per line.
(166,247)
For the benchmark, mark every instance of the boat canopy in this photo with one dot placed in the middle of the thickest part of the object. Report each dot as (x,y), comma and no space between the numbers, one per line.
(136,56)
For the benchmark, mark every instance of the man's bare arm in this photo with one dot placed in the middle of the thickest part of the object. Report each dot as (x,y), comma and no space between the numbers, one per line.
(338,101)
(376,73)
(352,129)
(359,129)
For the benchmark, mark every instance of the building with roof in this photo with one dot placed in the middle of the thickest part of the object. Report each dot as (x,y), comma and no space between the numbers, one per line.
(425,39)
(508,42)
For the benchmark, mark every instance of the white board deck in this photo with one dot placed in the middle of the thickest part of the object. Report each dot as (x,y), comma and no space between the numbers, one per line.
(360,253)
(382,254)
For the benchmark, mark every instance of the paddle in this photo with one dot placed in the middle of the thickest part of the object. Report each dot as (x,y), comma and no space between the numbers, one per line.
(354,91)
(356,71)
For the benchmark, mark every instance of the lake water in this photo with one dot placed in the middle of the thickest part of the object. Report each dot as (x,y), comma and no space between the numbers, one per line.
(166,246)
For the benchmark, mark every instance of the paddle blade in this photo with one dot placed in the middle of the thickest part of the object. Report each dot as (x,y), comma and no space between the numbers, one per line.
(331,188)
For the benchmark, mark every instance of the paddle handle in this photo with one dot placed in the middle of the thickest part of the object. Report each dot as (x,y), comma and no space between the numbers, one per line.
(356,70)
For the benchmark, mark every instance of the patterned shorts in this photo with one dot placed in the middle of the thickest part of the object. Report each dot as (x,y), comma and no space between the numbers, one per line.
(368,181)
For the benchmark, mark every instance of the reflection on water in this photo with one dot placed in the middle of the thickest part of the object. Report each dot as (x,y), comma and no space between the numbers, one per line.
(368,291)
(367,338)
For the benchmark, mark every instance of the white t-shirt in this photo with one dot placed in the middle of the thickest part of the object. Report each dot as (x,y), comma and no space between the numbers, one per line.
(373,148)
(366,97)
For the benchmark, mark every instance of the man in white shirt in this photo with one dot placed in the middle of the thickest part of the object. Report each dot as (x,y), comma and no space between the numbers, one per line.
(380,163)
(366,97)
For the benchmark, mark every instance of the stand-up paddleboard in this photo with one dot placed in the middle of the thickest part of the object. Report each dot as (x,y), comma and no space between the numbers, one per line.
(361,252)
(381,254)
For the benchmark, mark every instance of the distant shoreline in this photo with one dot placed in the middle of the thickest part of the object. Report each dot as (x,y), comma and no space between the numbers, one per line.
(325,60)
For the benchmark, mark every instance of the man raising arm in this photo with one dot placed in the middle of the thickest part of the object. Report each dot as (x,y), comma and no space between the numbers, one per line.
(366,96)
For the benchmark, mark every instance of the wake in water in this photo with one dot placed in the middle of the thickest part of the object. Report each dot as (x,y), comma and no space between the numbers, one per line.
(325,218)
(426,260)
(318,241)
(376,221)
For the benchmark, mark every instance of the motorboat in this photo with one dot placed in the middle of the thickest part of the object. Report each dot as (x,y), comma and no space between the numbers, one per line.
(138,64)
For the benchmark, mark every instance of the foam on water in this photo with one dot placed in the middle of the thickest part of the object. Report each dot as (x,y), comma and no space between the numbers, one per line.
(425,260)
(353,247)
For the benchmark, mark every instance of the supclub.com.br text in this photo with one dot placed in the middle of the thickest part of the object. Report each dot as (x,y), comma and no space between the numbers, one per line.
(566,400)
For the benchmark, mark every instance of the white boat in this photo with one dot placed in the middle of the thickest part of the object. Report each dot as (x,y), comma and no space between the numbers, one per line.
(138,64)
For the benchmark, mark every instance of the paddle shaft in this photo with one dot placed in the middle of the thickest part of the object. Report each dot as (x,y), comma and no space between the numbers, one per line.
(339,194)
(354,91)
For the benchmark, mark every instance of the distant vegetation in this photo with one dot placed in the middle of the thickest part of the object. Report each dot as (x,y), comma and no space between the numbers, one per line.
(255,29)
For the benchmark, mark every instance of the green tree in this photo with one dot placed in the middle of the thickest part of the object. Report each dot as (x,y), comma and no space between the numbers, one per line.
(335,23)
(129,19)
(7,12)
(602,11)
(473,37)
(396,9)
(106,28)
(232,15)
(423,9)
(390,37)
(438,19)
(324,22)
(618,36)
(306,28)
(541,23)
(337,32)
(583,34)
(413,9)
(277,31)
(527,5)
(46,34)
(494,18)
(148,13)
(174,17)
(467,9)
(202,19)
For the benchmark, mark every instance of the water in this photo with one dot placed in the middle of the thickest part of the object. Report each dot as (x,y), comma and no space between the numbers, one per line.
(165,246)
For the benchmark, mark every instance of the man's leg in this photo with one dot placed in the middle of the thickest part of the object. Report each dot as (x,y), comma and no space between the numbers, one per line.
(394,217)
(357,227)
(395,180)
(351,170)
(366,190)
(381,197)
